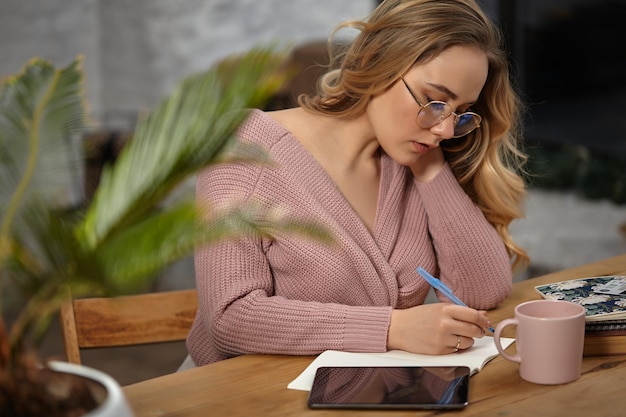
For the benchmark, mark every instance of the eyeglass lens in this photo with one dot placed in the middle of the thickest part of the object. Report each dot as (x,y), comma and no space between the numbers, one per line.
(434,113)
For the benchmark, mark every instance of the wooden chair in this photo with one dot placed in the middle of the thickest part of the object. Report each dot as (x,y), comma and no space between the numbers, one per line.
(127,320)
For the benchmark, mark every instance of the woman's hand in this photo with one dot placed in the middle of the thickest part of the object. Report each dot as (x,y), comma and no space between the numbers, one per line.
(428,165)
(436,329)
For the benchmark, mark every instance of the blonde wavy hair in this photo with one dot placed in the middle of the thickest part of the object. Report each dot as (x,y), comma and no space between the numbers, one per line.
(488,162)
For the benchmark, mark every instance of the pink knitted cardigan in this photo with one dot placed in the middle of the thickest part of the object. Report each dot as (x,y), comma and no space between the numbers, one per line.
(297,296)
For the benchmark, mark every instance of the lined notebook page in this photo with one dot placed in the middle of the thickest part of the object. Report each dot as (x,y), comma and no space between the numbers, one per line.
(475,358)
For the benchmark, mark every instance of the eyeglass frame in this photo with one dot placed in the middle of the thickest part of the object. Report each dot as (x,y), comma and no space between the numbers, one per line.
(442,119)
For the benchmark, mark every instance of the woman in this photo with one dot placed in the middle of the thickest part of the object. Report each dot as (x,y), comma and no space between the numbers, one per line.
(408,157)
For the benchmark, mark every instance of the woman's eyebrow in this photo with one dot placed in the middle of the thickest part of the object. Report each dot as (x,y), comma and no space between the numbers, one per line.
(444,90)
(447,91)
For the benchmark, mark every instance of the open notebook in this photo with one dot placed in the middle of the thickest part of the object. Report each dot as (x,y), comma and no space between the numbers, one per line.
(475,358)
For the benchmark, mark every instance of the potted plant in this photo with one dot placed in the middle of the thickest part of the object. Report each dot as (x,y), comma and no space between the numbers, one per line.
(130,230)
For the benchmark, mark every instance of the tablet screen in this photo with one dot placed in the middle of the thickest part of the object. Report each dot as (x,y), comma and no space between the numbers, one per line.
(406,387)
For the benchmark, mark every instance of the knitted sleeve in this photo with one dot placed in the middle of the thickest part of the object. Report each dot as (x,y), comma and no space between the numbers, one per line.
(471,256)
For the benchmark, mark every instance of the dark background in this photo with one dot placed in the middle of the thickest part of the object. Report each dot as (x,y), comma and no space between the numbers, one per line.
(569,59)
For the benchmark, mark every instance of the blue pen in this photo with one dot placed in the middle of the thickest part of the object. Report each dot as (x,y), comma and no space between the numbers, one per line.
(443,288)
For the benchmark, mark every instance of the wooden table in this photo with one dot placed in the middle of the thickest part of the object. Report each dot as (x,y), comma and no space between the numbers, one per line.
(256,385)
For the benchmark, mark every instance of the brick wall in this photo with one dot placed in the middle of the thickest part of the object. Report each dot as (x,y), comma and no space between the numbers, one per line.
(136,51)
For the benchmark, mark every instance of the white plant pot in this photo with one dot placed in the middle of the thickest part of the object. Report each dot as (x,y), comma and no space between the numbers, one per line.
(114,405)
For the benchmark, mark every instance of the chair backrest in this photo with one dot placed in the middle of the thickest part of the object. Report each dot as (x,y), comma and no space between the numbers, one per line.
(127,320)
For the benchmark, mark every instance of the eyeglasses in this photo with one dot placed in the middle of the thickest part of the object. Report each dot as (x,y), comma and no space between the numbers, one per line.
(435,112)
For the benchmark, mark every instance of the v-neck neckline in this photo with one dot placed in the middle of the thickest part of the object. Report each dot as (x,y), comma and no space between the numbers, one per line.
(317,182)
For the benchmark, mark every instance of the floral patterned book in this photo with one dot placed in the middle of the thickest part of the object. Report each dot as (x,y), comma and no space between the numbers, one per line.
(603,297)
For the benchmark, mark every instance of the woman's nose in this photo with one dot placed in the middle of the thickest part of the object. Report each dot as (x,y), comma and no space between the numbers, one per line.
(445,129)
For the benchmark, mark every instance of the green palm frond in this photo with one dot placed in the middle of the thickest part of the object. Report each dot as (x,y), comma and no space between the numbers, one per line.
(187,132)
(39,109)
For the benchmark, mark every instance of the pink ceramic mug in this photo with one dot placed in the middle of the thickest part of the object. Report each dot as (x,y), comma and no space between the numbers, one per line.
(550,338)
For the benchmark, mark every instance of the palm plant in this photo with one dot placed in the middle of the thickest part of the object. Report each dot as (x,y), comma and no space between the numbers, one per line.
(127,233)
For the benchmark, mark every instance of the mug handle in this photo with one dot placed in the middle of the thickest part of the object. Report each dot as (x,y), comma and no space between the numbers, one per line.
(496,339)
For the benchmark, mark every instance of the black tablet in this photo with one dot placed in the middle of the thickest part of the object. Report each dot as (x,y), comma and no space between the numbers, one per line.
(406,387)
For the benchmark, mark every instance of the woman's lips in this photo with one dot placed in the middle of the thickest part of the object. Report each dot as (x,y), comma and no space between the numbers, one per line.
(421,148)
